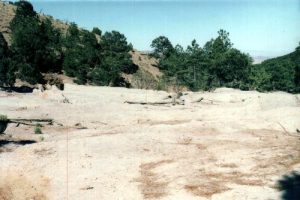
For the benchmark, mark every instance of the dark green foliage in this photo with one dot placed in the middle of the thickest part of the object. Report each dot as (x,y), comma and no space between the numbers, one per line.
(162,47)
(24,9)
(48,49)
(231,68)
(115,60)
(282,73)
(98,63)
(258,78)
(7,75)
(7,72)
(97,31)
(35,44)
(28,73)
(81,55)
(38,129)
(217,64)
(37,48)
(3,47)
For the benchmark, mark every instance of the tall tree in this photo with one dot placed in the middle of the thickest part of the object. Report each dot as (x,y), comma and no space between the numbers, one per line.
(115,60)
(35,44)
(162,47)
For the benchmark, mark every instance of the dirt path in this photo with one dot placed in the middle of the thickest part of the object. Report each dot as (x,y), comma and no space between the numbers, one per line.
(232,145)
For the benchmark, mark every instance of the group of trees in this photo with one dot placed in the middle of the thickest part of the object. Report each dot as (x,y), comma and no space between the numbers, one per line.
(100,63)
(37,48)
(215,64)
(281,73)
(218,64)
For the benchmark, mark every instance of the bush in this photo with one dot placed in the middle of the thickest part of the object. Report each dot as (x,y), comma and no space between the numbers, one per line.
(38,129)
(3,118)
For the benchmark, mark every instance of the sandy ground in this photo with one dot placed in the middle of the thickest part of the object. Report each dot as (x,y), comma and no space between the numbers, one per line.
(231,145)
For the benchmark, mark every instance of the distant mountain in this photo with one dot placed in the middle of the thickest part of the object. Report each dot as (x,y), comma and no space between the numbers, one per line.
(293,57)
(284,72)
(259,59)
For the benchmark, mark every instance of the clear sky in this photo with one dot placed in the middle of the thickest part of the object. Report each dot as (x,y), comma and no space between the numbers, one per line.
(259,27)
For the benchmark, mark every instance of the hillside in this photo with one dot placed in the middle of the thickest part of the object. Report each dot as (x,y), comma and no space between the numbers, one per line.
(146,64)
(284,71)
(293,57)
(7,13)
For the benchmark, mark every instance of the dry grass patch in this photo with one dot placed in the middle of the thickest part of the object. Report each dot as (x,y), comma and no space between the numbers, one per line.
(44,151)
(228,165)
(206,189)
(152,186)
(17,187)
(207,184)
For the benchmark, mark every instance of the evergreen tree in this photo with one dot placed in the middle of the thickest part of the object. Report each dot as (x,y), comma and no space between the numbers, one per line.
(35,44)
(115,60)
(97,31)
(82,54)
(162,46)
(7,74)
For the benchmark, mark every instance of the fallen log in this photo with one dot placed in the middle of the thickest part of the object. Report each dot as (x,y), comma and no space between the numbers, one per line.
(27,122)
(148,103)
(198,101)
(49,121)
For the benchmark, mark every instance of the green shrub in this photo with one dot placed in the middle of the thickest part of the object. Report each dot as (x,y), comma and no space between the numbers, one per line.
(38,129)
(3,118)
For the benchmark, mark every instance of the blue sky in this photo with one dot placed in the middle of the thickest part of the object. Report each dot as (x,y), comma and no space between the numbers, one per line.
(259,27)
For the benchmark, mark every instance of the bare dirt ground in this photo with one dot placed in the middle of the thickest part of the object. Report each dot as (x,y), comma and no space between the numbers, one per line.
(232,145)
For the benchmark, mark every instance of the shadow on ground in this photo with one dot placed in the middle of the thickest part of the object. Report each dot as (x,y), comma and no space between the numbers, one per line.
(21,89)
(290,186)
(19,142)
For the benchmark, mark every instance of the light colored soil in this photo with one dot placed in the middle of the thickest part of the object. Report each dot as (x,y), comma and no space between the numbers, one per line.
(232,145)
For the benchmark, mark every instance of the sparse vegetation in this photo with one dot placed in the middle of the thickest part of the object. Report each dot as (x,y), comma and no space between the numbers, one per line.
(38,129)
(42,138)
